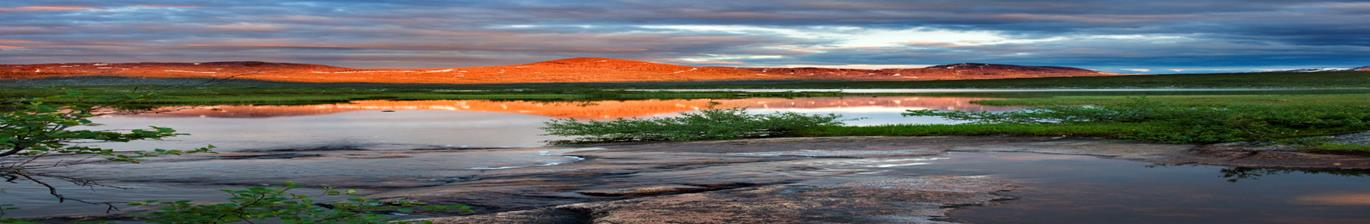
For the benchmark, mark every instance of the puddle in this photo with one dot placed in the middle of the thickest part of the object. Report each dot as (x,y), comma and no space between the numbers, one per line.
(1082,189)
(122,183)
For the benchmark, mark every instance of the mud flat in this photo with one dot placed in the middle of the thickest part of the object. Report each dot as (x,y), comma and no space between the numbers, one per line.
(806,180)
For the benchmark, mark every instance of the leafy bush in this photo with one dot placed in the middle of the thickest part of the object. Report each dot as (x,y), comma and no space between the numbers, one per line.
(35,129)
(1184,123)
(712,124)
(280,205)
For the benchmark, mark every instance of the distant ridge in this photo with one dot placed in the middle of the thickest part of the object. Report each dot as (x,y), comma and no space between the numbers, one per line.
(1342,69)
(584,69)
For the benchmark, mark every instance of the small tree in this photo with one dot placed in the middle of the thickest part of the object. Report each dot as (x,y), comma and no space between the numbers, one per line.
(34,129)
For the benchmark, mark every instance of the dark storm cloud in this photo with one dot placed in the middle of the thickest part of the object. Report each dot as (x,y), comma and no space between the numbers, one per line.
(1109,35)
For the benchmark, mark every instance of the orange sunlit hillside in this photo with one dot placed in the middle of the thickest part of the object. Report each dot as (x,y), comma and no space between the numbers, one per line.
(564,70)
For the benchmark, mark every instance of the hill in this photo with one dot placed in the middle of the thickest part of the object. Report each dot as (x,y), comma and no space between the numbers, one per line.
(571,70)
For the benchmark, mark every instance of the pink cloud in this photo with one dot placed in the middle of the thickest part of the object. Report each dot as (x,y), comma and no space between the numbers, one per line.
(45,8)
(248,27)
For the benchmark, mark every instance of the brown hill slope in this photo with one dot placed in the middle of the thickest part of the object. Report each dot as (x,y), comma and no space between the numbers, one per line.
(563,70)
(1363,69)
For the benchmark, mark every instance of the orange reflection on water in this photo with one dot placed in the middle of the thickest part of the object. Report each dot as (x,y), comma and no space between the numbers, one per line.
(607,109)
(1344,199)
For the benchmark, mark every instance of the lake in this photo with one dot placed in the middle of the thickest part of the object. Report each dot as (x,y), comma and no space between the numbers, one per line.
(384,145)
(383,124)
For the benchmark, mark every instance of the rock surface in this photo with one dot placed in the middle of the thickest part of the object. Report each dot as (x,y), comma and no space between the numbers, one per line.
(830,200)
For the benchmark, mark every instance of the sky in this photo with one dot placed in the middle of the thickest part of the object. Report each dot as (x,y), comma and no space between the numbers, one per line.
(1154,36)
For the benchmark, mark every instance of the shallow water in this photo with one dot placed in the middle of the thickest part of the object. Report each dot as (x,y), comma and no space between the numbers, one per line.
(1054,188)
(201,180)
(1083,189)
(381,124)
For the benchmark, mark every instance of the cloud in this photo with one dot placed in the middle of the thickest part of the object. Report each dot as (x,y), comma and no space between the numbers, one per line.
(43,8)
(1105,35)
(248,27)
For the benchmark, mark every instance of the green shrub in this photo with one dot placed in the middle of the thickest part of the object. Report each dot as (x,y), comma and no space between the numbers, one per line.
(713,124)
(256,204)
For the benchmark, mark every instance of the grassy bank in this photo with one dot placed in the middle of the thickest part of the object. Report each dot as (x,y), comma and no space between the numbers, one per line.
(1179,117)
(1296,119)
(208,92)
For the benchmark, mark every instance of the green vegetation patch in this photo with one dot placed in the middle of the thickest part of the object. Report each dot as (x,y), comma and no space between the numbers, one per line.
(701,125)
(1174,119)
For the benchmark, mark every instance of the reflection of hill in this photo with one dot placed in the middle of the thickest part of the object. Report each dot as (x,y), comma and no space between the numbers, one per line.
(582,110)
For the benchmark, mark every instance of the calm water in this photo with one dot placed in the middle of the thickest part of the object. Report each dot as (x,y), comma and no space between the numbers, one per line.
(1083,189)
(469,123)
(203,178)
(1056,188)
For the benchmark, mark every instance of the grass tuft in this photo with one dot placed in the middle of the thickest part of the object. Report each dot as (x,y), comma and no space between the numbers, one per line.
(713,124)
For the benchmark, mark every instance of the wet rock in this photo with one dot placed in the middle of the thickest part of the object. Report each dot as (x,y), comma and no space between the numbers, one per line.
(867,199)
(645,191)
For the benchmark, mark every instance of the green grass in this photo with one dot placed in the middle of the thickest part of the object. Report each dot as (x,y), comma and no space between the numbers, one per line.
(1326,103)
(206,92)
(1168,119)
(1199,119)
(692,126)
(1339,148)
(1095,130)
(1200,99)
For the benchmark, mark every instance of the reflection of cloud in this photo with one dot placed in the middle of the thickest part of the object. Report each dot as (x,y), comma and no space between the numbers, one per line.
(1342,199)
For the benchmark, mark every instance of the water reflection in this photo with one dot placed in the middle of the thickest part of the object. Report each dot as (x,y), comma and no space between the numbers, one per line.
(383,124)
(607,109)
(1234,174)
(1085,189)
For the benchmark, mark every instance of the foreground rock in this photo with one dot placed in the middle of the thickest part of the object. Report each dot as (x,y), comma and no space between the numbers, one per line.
(832,200)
